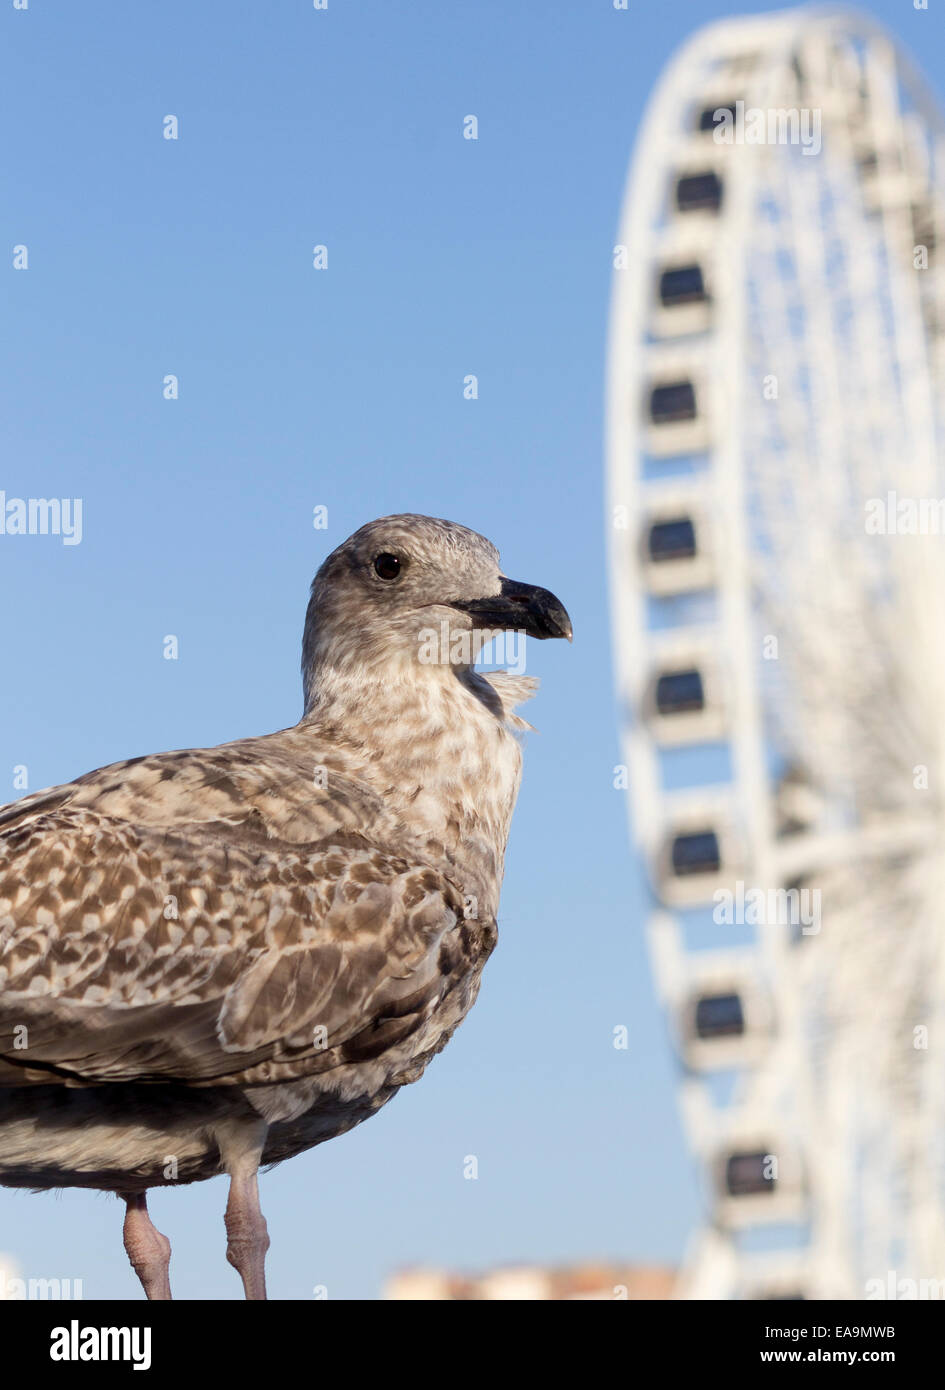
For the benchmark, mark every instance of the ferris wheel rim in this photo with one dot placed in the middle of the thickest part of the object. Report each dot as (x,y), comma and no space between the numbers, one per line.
(629,306)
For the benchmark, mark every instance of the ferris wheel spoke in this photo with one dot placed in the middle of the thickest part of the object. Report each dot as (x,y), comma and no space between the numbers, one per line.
(775,375)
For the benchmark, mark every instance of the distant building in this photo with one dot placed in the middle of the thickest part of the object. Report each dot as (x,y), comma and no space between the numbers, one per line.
(9,1273)
(535,1282)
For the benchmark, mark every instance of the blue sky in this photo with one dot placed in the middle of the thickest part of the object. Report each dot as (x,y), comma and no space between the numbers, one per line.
(344,388)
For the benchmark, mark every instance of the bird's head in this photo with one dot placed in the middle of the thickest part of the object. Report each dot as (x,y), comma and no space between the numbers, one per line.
(409,591)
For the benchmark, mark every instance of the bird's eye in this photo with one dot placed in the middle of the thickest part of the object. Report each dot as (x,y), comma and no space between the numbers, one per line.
(387,566)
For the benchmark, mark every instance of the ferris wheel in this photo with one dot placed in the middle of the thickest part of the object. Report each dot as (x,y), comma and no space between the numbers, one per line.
(776,422)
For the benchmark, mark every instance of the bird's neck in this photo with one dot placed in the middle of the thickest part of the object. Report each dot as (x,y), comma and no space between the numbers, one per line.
(440,748)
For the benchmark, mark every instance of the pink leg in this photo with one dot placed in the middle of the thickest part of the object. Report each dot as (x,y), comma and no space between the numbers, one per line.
(148,1251)
(247,1238)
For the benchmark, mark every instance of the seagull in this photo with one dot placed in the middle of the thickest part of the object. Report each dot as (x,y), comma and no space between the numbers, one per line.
(214,959)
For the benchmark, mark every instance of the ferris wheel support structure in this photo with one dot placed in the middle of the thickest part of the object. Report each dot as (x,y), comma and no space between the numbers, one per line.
(777,364)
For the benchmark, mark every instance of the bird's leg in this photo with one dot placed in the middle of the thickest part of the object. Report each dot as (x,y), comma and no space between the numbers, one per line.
(247,1238)
(148,1250)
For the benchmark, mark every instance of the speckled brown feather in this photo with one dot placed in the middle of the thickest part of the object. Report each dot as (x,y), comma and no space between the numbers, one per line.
(271,938)
(288,926)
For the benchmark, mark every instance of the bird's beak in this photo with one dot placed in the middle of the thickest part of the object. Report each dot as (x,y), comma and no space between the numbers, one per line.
(519,608)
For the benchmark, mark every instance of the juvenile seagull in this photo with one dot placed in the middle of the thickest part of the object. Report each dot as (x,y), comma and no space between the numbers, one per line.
(217,958)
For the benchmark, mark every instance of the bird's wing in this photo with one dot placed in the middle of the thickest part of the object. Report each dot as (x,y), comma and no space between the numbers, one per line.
(197,946)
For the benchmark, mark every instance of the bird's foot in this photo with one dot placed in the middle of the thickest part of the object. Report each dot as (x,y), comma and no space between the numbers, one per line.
(247,1238)
(148,1250)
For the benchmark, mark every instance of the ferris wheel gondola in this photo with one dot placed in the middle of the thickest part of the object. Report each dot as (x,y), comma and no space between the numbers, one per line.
(776,372)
